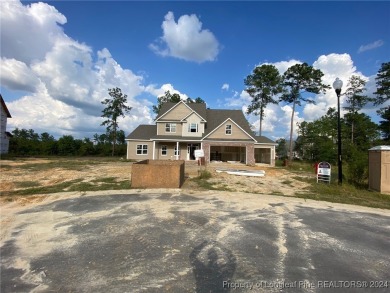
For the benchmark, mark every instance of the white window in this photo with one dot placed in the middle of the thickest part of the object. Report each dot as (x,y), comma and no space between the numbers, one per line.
(142,149)
(193,127)
(170,127)
(163,150)
(177,151)
(228,129)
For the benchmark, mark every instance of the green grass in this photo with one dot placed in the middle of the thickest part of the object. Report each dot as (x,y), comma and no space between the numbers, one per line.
(26,184)
(346,193)
(67,163)
(88,186)
(109,180)
(204,174)
(287,182)
(74,185)
(60,187)
(73,165)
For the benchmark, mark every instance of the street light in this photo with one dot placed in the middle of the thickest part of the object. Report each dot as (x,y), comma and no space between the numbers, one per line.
(337,85)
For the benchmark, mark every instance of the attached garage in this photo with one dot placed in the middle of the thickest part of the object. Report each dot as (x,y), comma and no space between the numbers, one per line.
(264,151)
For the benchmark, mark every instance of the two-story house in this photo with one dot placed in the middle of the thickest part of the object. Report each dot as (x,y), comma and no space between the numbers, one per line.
(4,135)
(181,128)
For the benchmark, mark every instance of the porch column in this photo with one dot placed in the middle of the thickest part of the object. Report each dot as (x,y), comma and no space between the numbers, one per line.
(154,149)
(177,150)
(250,154)
(206,150)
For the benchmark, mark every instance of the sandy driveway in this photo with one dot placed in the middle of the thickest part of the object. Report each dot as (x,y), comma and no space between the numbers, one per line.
(189,241)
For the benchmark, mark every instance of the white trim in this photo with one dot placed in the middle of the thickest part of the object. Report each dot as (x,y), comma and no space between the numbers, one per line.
(166,150)
(266,143)
(142,149)
(135,139)
(234,124)
(235,141)
(231,129)
(196,113)
(170,127)
(175,139)
(176,152)
(173,108)
(190,128)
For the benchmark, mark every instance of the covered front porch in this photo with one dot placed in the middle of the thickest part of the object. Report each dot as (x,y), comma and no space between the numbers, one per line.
(179,150)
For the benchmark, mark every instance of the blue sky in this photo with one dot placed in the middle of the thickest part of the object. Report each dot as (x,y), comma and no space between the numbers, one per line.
(60,57)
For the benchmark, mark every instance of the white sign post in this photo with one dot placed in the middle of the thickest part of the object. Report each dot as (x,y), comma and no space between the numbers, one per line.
(199,154)
(324,172)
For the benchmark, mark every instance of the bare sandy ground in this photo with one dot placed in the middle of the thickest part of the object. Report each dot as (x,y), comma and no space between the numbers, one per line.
(40,226)
(276,181)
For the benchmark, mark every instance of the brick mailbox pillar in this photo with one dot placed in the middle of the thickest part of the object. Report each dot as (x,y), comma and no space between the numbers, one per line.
(379,169)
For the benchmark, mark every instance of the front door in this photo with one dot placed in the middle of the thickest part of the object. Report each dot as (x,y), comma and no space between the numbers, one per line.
(191,147)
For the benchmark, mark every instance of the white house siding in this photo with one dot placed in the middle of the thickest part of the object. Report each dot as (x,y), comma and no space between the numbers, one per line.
(193,118)
(170,150)
(236,133)
(162,131)
(178,113)
(3,136)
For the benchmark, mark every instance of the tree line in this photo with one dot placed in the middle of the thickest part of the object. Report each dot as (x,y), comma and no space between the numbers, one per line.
(26,142)
(317,140)
(266,86)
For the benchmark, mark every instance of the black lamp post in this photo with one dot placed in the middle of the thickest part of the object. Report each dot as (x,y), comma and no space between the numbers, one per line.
(337,85)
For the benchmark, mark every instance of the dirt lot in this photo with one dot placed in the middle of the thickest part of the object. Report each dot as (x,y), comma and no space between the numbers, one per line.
(178,240)
(26,174)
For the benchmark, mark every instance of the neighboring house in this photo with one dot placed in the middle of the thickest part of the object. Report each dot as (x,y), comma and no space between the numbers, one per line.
(181,128)
(4,135)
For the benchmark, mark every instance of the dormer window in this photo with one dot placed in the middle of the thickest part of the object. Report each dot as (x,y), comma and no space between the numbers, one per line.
(193,127)
(228,129)
(170,127)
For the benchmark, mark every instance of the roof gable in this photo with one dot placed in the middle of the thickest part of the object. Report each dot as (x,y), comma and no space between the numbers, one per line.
(5,107)
(168,108)
(215,118)
(219,132)
(193,113)
(172,107)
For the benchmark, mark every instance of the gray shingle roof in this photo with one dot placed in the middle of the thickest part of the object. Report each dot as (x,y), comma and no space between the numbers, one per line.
(199,108)
(263,139)
(143,132)
(217,117)
(214,118)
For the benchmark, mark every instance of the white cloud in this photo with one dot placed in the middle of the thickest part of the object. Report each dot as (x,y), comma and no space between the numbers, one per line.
(65,84)
(333,66)
(159,92)
(371,46)
(16,75)
(277,118)
(282,66)
(225,87)
(186,39)
(29,31)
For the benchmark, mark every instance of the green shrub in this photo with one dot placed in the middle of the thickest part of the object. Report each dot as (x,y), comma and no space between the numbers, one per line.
(204,174)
